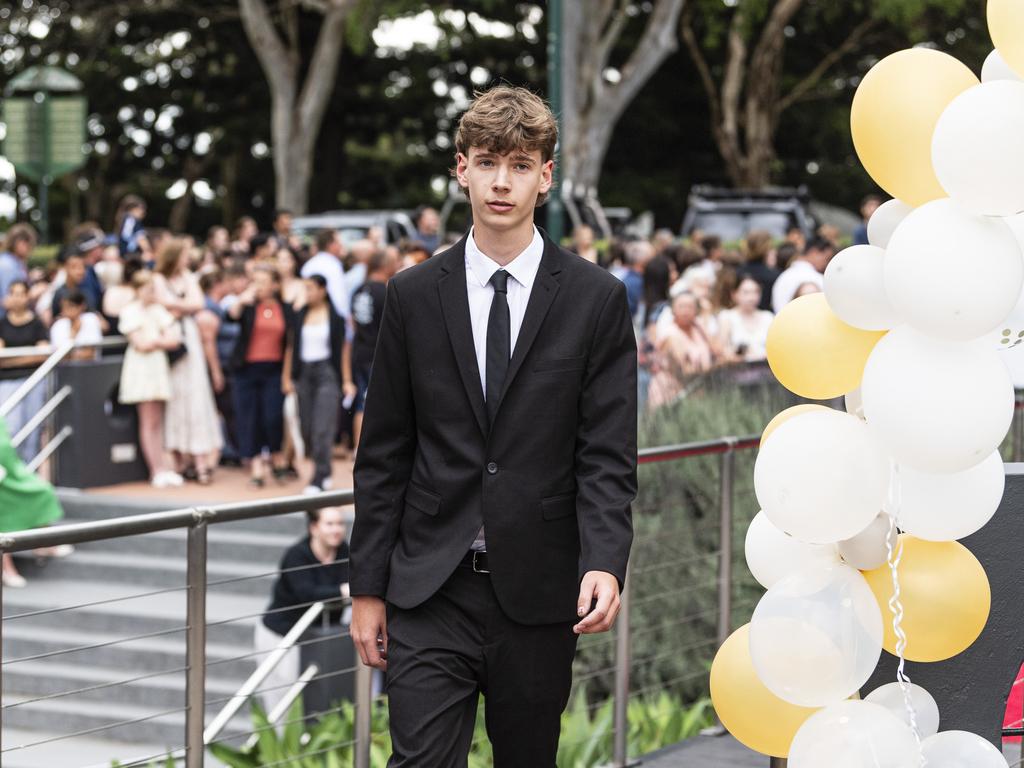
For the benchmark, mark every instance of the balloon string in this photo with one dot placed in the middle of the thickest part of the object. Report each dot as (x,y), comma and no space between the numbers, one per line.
(893,556)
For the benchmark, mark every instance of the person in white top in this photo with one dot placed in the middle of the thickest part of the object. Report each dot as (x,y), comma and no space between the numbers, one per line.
(807,268)
(77,325)
(744,328)
(327,263)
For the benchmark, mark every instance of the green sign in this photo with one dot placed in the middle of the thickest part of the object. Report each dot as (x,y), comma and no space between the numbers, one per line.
(45,134)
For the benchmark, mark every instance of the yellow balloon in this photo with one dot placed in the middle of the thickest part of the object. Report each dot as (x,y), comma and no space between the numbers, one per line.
(893,117)
(750,712)
(815,354)
(1006,26)
(945,594)
(784,416)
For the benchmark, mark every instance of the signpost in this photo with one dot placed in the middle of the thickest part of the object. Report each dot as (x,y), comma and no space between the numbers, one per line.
(45,114)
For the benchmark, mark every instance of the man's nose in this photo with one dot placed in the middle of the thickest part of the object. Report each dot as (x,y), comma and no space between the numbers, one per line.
(501,178)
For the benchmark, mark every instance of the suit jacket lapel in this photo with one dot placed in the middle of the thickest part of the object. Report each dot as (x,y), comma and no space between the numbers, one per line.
(545,288)
(455,305)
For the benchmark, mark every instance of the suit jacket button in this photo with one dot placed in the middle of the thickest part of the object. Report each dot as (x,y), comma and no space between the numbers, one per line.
(492,468)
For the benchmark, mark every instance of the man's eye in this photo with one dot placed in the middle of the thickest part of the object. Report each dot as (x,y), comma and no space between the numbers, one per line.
(522,167)
(485,162)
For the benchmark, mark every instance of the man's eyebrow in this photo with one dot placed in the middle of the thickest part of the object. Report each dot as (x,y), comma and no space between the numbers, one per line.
(522,157)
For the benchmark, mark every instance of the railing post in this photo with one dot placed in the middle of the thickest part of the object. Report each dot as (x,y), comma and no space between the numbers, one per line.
(1,668)
(1018,429)
(623,658)
(364,703)
(727,471)
(195,643)
(779,762)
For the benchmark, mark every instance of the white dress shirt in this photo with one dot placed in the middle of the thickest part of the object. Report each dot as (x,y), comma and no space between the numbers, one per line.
(479,268)
(329,267)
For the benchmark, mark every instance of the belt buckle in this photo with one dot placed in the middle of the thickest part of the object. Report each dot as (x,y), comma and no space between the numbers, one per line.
(475,568)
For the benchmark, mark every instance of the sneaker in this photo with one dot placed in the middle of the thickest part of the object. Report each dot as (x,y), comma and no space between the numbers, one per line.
(312,490)
(174,479)
(14,580)
(62,550)
(327,484)
(167,479)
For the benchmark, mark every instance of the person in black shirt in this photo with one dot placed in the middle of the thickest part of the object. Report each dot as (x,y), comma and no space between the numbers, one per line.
(367,310)
(19,327)
(314,568)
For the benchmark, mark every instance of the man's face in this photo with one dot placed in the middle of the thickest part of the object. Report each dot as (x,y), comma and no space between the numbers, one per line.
(75,269)
(503,189)
(283,224)
(429,222)
(819,257)
(336,248)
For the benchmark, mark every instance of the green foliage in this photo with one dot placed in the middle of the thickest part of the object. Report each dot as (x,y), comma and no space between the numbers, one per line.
(586,735)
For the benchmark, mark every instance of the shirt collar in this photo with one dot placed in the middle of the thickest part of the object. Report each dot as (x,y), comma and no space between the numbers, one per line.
(523,268)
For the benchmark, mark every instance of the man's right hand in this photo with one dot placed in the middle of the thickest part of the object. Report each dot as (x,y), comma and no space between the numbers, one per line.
(370,630)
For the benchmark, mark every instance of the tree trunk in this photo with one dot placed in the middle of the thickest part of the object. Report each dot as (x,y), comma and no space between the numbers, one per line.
(229,178)
(297,104)
(591,103)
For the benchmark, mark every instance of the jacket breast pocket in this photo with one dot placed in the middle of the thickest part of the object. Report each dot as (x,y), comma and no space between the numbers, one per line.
(558,364)
(421,499)
(558,507)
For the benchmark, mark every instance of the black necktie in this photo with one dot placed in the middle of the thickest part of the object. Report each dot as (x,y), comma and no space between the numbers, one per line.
(499,342)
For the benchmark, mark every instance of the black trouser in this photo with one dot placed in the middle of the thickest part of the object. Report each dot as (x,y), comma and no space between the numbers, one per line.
(459,644)
(319,401)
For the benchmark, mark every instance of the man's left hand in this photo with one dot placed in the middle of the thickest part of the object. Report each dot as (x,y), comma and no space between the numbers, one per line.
(604,588)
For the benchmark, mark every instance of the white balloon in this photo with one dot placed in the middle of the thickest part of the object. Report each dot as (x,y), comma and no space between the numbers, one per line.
(976,149)
(926,711)
(772,554)
(867,550)
(854,734)
(936,406)
(855,289)
(816,635)
(946,507)
(961,749)
(884,220)
(952,274)
(1010,332)
(996,68)
(821,478)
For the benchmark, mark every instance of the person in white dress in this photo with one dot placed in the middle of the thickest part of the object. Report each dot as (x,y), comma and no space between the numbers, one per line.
(744,327)
(191,427)
(152,332)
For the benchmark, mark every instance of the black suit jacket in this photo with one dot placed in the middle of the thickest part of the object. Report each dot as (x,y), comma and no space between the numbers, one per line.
(552,479)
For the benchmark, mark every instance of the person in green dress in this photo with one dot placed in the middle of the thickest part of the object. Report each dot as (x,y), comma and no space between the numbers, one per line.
(26,501)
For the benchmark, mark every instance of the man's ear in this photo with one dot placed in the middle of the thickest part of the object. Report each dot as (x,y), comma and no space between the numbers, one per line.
(461,164)
(547,172)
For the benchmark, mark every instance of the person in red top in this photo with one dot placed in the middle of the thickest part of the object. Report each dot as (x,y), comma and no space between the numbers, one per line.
(262,356)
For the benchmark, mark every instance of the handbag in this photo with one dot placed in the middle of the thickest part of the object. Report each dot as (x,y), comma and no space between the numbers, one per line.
(176,354)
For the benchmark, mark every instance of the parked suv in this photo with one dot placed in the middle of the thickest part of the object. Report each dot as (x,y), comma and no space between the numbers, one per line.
(732,213)
(397,226)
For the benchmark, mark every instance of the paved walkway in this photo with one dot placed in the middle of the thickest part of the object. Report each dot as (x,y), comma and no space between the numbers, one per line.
(706,752)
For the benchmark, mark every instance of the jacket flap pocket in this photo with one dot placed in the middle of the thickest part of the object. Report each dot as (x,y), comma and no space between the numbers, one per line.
(422,499)
(561,364)
(557,507)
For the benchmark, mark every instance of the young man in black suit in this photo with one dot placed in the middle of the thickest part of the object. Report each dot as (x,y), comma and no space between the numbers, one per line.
(497,465)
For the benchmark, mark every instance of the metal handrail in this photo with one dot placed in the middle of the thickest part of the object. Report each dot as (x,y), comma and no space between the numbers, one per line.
(41,415)
(37,377)
(51,445)
(286,702)
(48,349)
(261,672)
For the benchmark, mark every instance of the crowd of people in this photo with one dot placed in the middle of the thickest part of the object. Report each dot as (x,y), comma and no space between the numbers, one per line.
(251,347)
(254,347)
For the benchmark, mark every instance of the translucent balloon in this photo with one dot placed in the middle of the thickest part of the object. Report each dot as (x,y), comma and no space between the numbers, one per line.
(867,549)
(855,288)
(821,478)
(854,734)
(952,274)
(854,403)
(816,635)
(884,220)
(772,555)
(926,711)
(976,148)
(961,749)
(1006,27)
(946,507)
(996,68)
(936,406)
(752,714)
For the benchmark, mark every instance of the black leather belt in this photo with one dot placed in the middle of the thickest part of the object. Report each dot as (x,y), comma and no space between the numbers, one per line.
(477,561)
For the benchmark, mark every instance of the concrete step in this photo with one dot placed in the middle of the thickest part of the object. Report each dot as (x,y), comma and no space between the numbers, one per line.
(224,543)
(84,686)
(150,571)
(98,649)
(127,611)
(81,752)
(114,721)
(88,506)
